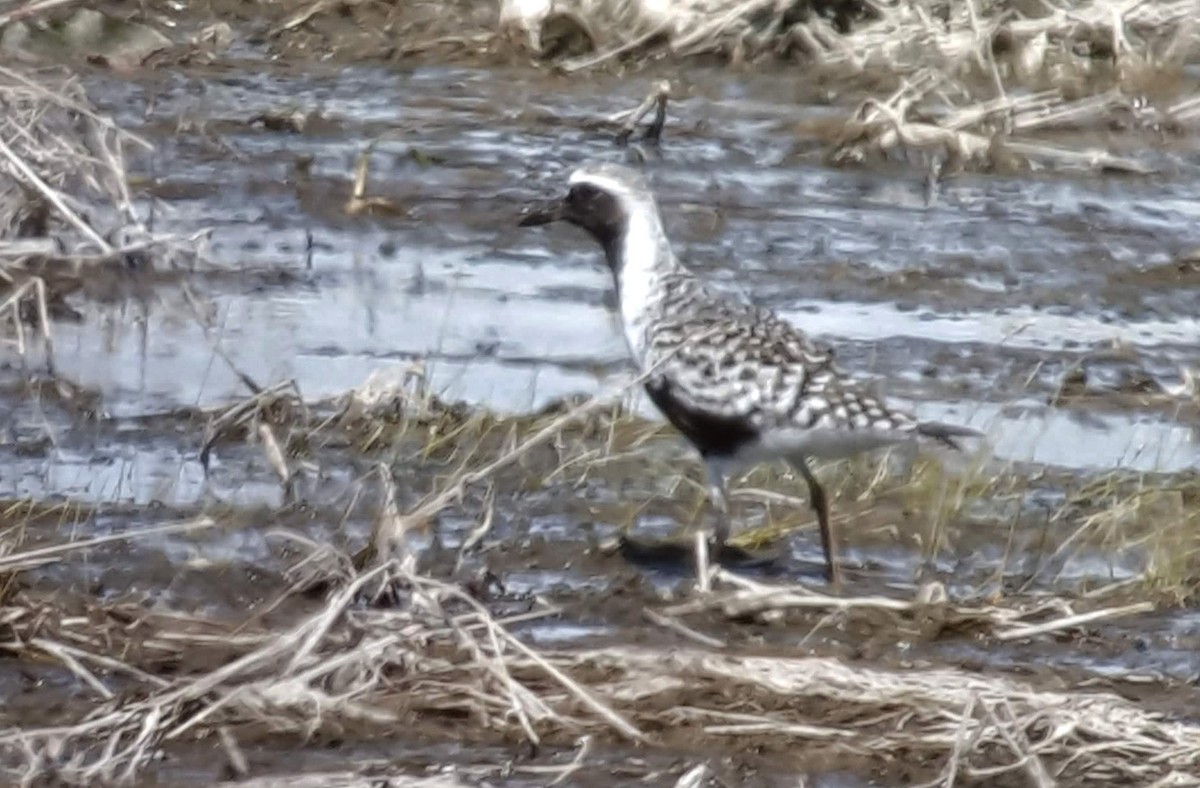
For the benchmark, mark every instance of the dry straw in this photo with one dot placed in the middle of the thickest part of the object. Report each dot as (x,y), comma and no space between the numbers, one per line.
(441,652)
(393,646)
(971,83)
(66,204)
(437,654)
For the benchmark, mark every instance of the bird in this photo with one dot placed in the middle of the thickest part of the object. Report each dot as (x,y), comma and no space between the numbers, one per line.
(741,384)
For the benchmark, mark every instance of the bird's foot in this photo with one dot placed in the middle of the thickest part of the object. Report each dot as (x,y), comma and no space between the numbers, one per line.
(680,551)
(736,557)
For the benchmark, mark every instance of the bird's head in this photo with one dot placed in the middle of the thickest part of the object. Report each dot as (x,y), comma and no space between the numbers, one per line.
(603,199)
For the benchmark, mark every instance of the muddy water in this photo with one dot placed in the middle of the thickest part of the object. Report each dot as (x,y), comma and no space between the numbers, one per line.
(972,306)
(969,305)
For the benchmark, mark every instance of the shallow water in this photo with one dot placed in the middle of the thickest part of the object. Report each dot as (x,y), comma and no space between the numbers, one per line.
(970,307)
(962,301)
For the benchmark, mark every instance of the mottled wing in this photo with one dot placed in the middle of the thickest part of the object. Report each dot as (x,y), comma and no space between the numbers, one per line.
(728,371)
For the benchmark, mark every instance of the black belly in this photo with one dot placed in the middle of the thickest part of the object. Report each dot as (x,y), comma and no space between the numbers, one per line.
(712,434)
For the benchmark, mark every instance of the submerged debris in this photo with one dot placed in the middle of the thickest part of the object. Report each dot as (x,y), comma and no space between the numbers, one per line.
(359,202)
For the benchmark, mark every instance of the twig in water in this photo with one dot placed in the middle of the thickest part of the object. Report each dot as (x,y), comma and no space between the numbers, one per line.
(29,559)
(683,629)
(657,100)
(1067,622)
(359,202)
(13,304)
(389,539)
(481,530)
(53,197)
(585,749)
(233,753)
(693,777)
(197,312)
(274,453)
(247,413)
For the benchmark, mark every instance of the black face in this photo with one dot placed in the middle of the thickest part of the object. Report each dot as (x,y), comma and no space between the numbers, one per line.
(593,209)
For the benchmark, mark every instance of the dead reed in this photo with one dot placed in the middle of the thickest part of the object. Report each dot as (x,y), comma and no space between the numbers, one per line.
(438,656)
(973,85)
(391,645)
(66,204)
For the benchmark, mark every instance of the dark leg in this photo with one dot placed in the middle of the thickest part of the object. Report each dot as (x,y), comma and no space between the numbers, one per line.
(715,471)
(816,497)
(706,549)
(722,551)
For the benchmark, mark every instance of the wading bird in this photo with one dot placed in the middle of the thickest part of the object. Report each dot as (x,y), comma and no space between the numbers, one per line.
(741,384)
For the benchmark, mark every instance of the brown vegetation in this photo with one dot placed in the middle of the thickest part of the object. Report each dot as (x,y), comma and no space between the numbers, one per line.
(359,643)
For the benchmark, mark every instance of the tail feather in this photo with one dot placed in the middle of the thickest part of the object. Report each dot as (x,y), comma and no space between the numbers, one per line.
(946,433)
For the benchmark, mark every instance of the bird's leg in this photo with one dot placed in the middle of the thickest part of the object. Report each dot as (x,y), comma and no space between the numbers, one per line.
(703,568)
(715,472)
(820,505)
(716,494)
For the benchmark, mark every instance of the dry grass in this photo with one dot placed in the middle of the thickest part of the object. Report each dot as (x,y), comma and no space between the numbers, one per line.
(899,38)
(66,207)
(941,506)
(391,646)
(956,132)
(936,502)
(970,85)
(65,188)
(438,656)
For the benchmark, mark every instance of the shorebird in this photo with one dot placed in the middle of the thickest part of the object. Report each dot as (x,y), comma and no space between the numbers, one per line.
(741,384)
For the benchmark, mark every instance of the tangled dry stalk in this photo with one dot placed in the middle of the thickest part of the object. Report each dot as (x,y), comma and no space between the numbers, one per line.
(974,84)
(65,189)
(391,645)
(440,655)
(843,35)
(66,205)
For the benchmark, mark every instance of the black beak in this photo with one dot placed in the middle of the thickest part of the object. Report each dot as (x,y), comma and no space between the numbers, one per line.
(542,213)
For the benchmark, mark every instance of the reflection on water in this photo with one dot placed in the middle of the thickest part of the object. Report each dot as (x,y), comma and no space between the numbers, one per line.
(1017,270)
(968,309)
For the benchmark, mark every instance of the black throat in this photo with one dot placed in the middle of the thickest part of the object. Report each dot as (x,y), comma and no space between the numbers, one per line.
(613,242)
(604,218)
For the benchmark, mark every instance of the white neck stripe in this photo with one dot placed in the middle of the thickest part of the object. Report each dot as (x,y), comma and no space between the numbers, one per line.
(613,186)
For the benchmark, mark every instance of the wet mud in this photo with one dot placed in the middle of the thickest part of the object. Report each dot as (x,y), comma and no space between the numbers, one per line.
(1055,313)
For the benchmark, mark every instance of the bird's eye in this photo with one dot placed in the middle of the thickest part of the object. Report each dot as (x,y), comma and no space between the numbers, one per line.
(582,195)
